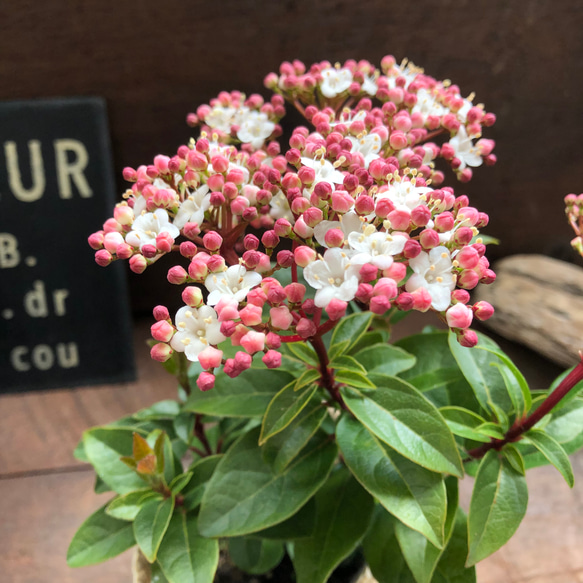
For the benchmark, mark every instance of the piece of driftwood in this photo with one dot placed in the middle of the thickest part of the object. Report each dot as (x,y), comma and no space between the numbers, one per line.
(539,303)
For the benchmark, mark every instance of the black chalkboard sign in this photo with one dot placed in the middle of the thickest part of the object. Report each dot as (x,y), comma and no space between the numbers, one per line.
(64,321)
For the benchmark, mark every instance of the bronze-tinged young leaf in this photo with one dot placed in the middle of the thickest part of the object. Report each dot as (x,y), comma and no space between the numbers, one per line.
(244,494)
(141,448)
(343,513)
(99,538)
(147,465)
(414,495)
(404,419)
(497,507)
(255,556)
(151,524)
(184,555)
(385,359)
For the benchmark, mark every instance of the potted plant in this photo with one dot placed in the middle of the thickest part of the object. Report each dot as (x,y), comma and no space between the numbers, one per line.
(300,433)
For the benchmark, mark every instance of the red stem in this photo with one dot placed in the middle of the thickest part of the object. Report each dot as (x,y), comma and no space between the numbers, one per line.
(327,376)
(520,428)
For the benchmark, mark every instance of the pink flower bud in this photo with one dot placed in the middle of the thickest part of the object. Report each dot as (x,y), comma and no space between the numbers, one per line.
(164,243)
(459,316)
(364,205)
(281,317)
(216,264)
(196,160)
(217,198)
(205,381)
(276,295)
(306,175)
(231,369)
(412,249)
(429,239)
(96,240)
(384,207)
(306,328)
(282,228)
(138,263)
(177,275)
(253,342)
(309,307)
(444,222)
(379,304)
(420,215)
(463,236)
(336,309)
(239,205)
(251,315)
(468,279)
(468,257)
(399,220)
(272,340)
(469,215)
(368,272)
(198,269)
(284,259)
(313,216)
(257,297)
(251,242)
(191,230)
(342,202)
(489,277)
(334,238)
(216,182)
(149,251)
(460,296)
(228,328)
(161,352)
(398,140)
(270,239)
(467,338)
(396,272)
(192,296)
(103,258)
(112,240)
(272,359)
(162,331)
(129,174)
(227,309)
(483,310)
(304,255)
(364,293)
(161,313)
(303,230)
(385,287)
(210,357)
(405,301)
(421,299)
(123,214)
(240,331)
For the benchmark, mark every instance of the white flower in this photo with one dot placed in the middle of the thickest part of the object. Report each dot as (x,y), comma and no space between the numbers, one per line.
(348,223)
(367,146)
(255,129)
(234,283)
(193,208)
(197,329)
(465,150)
(335,81)
(280,208)
(433,272)
(148,226)
(325,171)
(221,118)
(346,118)
(462,112)
(375,247)
(369,85)
(334,276)
(404,194)
(427,104)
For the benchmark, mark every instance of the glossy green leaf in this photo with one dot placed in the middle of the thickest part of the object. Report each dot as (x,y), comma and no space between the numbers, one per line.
(354,379)
(385,359)
(554,452)
(283,409)
(179,482)
(345,362)
(351,328)
(414,495)
(79,452)
(168,409)
(486,381)
(282,448)
(156,574)
(184,555)
(126,507)
(184,426)
(514,457)
(343,512)
(104,448)
(304,353)
(255,556)
(382,551)
(99,538)
(368,339)
(337,349)
(464,423)
(202,470)
(401,417)
(244,494)
(497,507)
(100,487)
(151,524)
(566,423)
(248,396)
(574,392)
(300,525)
(308,377)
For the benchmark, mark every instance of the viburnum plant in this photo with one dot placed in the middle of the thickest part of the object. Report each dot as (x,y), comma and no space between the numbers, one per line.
(574,211)
(298,427)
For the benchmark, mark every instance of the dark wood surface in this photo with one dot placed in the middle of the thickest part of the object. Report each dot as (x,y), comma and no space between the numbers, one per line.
(45,494)
(156,61)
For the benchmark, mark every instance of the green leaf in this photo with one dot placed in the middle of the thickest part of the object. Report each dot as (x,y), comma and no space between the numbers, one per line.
(385,359)
(382,551)
(338,349)
(156,574)
(248,396)
(104,448)
(351,328)
(566,424)
(485,380)
(553,451)
(99,538)
(100,487)
(304,353)
(202,471)
(308,377)
(79,452)
(368,339)
(244,494)
(184,555)
(168,409)
(282,448)
(179,482)
(576,390)
(184,426)
(343,512)
(255,556)
(354,379)
(151,524)
(300,525)
(451,567)
(413,494)
(126,507)
(401,417)
(514,458)
(497,507)
(166,465)
(283,409)
(345,362)
(464,423)
(421,556)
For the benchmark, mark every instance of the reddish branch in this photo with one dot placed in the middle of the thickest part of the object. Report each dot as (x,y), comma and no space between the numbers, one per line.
(328,381)
(516,432)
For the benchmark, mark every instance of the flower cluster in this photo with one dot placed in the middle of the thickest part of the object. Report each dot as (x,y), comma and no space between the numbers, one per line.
(574,211)
(353,209)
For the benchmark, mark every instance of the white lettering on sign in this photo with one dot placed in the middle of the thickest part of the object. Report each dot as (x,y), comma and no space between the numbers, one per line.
(44,357)
(37,171)
(9,254)
(36,304)
(68,172)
